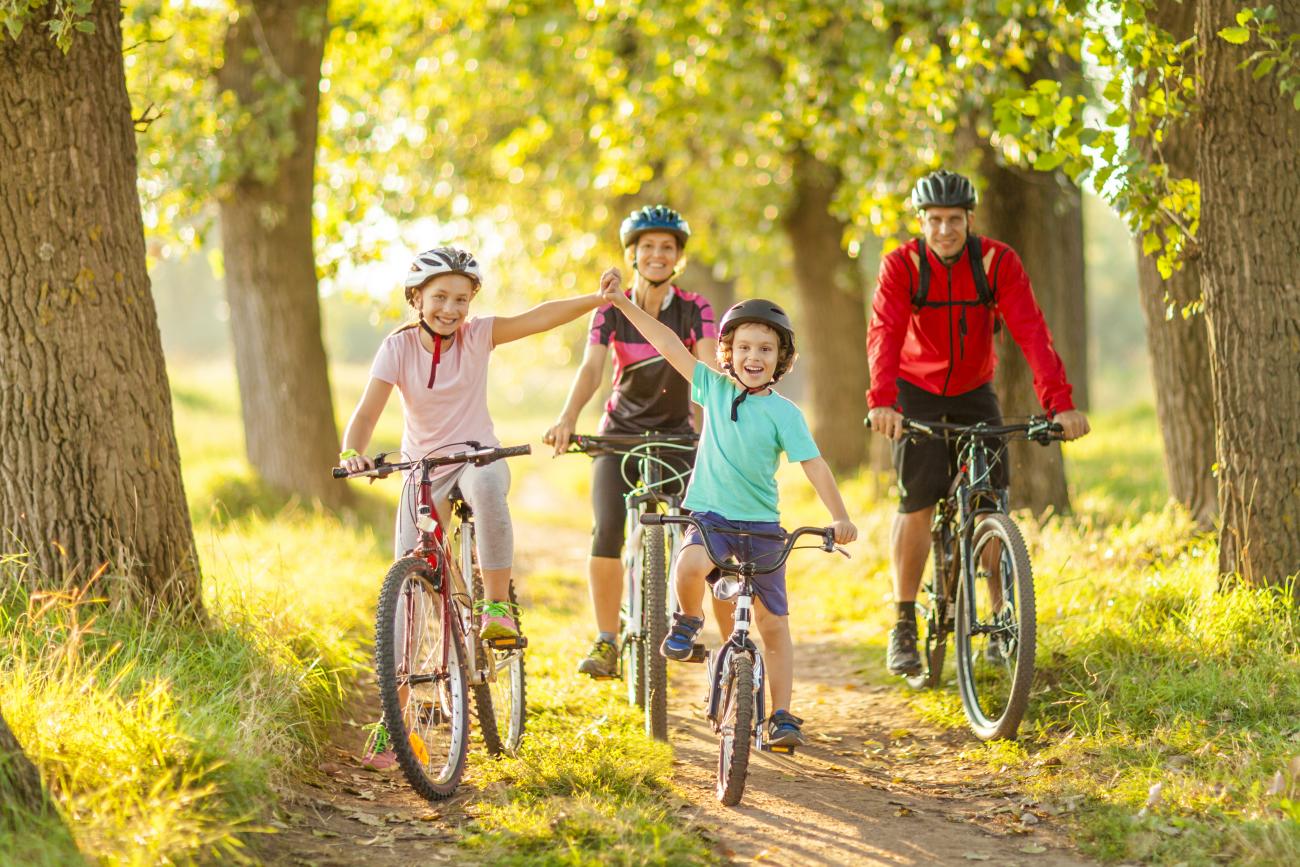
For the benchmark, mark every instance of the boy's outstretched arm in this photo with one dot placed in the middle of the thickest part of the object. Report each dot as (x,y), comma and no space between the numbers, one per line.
(823,482)
(661,337)
(543,317)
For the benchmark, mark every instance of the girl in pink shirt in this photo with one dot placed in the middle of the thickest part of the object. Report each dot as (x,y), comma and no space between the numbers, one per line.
(439,364)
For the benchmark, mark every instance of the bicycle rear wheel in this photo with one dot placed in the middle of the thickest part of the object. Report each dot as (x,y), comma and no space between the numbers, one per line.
(937,623)
(422,683)
(995,637)
(501,700)
(735,728)
(654,617)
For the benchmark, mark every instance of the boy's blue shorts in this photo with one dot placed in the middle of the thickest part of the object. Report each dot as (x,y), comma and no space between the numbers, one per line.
(764,552)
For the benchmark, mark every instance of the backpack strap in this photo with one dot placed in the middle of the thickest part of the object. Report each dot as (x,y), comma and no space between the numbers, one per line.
(923,271)
(975,252)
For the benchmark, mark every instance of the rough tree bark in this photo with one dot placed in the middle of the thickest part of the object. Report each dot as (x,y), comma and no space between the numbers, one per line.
(833,320)
(1249,170)
(20,783)
(89,472)
(1180,348)
(266,237)
(1040,216)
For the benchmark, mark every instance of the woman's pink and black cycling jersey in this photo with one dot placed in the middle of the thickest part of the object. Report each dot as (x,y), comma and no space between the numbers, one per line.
(649,395)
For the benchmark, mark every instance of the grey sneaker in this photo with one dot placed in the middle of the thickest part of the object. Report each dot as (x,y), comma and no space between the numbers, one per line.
(601,661)
(903,657)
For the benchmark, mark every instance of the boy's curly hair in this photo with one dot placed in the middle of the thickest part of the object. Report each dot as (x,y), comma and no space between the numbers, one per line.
(785,358)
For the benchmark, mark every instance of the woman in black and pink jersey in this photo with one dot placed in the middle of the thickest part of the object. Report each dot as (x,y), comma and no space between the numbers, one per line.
(648,397)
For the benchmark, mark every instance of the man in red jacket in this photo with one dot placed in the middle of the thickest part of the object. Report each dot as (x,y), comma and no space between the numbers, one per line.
(930,347)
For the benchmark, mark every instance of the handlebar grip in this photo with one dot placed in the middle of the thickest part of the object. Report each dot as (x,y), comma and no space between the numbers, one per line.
(515,451)
(339,473)
(652,519)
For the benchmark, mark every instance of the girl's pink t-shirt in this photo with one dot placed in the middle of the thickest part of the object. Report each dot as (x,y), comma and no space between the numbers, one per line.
(455,409)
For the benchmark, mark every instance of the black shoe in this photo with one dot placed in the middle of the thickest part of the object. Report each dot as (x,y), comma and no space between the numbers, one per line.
(903,657)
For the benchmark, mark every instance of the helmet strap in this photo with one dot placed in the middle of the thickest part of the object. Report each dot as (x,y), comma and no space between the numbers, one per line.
(745,391)
(437,349)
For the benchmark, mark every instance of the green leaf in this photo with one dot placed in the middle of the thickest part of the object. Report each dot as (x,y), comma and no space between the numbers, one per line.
(1296,101)
(1049,161)
(1264,67)
(1245,15)
(1235,35)
(1150,243)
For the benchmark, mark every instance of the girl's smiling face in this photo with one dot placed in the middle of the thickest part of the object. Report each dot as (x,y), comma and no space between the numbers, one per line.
(444,300)
(656,255)
(755,351)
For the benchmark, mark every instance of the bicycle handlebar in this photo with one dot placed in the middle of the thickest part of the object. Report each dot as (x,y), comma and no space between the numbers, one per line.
(658,519)
(477,455)
(596,443)
(1038,429)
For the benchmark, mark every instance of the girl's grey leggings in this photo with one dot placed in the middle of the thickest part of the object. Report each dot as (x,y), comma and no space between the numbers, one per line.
(485,490)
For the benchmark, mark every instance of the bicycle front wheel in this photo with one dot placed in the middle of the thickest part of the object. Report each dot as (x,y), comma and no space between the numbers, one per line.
(735,728)
(422,683)
(500,699)
(995,637)
(654,614)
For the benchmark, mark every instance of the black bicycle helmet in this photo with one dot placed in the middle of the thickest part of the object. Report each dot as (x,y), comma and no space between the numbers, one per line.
(654,218)
(943,189)
(767,313)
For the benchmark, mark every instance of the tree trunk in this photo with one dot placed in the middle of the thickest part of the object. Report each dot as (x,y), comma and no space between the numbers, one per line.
(266,238)
(20,782)
(699,277)
(89,472)
(1040,216)
(1180,348)
(831,329)
(1249,170)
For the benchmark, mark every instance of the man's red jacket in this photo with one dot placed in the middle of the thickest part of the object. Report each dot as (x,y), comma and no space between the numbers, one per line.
(933,348)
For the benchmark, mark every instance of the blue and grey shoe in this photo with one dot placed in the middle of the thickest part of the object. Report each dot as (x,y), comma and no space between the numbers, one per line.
(783,730)
(679,643)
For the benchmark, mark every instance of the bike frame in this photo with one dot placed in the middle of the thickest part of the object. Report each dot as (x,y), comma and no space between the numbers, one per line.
(642,499)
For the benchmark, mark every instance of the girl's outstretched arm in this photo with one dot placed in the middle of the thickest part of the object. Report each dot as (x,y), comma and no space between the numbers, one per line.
(543,317)
(661,337)
(823,482)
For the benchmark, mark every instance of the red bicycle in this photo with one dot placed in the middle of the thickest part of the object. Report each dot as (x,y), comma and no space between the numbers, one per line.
(428,652)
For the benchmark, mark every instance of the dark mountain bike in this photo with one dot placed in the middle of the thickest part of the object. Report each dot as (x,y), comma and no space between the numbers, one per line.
(981,587)
(428,653)
(649,598)
(736,696)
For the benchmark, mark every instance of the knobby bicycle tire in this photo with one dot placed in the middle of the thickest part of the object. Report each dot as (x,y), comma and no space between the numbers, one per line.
(995,694)
(735,729)
(934,641)
(426,710)
(654,614)
(503,706)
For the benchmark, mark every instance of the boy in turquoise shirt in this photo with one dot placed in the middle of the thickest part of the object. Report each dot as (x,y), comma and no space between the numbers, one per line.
(747,427)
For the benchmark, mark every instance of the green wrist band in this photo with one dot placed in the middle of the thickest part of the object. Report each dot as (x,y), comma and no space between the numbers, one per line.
(348,453)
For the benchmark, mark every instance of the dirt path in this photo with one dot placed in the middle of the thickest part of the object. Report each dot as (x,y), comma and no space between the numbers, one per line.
(874,787)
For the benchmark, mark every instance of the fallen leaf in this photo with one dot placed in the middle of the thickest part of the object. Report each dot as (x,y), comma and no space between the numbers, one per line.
(1033,849)
(1028,819)
(321,832)
(903,811)
(828,739)
(367,819)
(897,734)
(1169,830)
(976,856)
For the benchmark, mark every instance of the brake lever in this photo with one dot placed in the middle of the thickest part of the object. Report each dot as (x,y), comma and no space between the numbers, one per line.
(840,549)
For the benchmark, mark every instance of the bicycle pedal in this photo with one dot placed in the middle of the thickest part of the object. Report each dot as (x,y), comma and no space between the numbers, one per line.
(783,749)
(515,643)
(699,653)
(605,677)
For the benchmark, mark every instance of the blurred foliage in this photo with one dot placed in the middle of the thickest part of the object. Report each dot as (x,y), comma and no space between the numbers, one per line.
(62,18)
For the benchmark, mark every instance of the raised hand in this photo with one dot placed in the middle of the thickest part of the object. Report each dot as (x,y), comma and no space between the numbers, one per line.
(611,286)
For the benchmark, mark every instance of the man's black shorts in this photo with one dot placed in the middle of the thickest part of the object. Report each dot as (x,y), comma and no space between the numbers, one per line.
(926,468)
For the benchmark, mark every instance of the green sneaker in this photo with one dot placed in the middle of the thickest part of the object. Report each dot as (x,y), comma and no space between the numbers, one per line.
(601,661)
(497,620)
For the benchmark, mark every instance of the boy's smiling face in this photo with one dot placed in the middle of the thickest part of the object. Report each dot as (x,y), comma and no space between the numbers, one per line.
(443,302)
(755,350)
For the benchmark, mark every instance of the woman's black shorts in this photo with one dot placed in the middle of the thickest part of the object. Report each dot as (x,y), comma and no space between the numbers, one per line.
(927,467)
(608,488)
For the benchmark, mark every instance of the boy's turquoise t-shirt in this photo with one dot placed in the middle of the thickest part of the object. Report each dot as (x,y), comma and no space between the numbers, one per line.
(735,468)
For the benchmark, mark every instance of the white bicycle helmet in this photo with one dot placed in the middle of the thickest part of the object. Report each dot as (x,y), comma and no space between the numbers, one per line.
(443,260)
